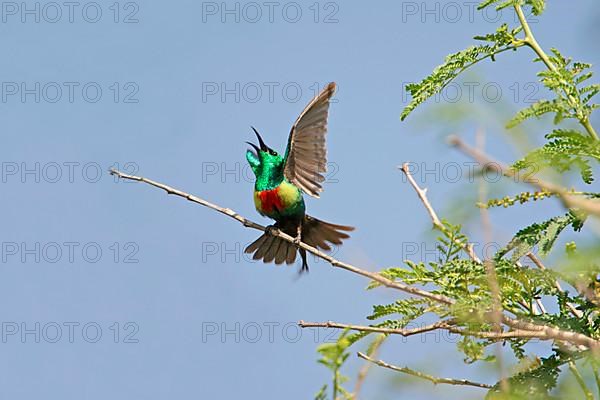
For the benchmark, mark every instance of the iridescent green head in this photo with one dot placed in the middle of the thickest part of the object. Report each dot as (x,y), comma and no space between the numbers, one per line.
(266,164)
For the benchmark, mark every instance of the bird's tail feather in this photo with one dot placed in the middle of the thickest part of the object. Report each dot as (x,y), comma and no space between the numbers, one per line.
(315,233)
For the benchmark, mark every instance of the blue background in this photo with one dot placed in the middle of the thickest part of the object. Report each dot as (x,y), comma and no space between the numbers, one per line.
(191,276)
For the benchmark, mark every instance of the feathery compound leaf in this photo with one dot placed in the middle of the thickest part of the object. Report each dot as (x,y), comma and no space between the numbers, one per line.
(537,6)
(322,394)
(536,110)
(486,3)
(333,356)
(534,383)
(503,4)
(572,100)
(473,349)
(567,149)
(544,234)
(452,242)
(503,39)
(410,309)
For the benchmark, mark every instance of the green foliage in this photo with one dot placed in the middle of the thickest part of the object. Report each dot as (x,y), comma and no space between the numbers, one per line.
(543,234)
(466,281)
(474,350)
(572,100)
(566,298)
(537,6)
(452,242)
(501,40)
(581,269)
(333,356)
(322,394)
(536,110)
(534,383)
(567,149)
(521,198)
(410,309)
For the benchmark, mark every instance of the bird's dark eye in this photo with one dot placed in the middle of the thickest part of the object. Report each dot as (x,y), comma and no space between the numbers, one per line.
(272,152)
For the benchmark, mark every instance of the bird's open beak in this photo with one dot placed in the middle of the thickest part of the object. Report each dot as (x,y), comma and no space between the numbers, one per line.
(263,146)
(255,148)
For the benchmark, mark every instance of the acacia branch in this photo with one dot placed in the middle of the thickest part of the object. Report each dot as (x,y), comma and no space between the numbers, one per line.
(557,284)
(433,379)
(535,46)
(490,267)
(544,332)
(422,193)
(547,332)
(487,162)
(447,325)
(364,370)
(567,197)
(364,328)
(276,232)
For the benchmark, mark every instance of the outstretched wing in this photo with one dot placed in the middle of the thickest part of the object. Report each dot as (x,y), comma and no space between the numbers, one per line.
(306,153)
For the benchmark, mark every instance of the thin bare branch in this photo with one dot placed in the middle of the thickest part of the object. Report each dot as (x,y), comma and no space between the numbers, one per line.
(275,232)
(443,325)
(540,305)
(568,199)
(490,267)
(422,193)
(365,328)
(364,370)
(487,162)
(543,331)
(430,378)
(546,332)
(538,263)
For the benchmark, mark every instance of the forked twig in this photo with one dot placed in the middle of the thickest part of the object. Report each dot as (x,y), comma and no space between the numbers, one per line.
(430,378)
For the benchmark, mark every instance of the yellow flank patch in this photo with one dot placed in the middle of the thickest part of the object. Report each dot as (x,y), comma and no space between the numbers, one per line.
(288,194)
(257,202)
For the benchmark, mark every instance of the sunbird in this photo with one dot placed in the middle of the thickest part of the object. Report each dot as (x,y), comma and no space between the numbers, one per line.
(281,180)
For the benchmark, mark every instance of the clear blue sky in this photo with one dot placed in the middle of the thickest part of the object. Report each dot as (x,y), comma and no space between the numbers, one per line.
(172,97)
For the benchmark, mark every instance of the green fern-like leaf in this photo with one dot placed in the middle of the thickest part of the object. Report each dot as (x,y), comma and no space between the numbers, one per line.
(473,349)
(501,40)
(536,110)
(500,4)
(565,78)
(537,6)
(567,149)
(535,383)
(409,309)
(544,234)
(322,394)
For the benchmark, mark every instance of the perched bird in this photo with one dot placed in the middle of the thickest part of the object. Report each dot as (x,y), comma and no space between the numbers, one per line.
(280,181)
